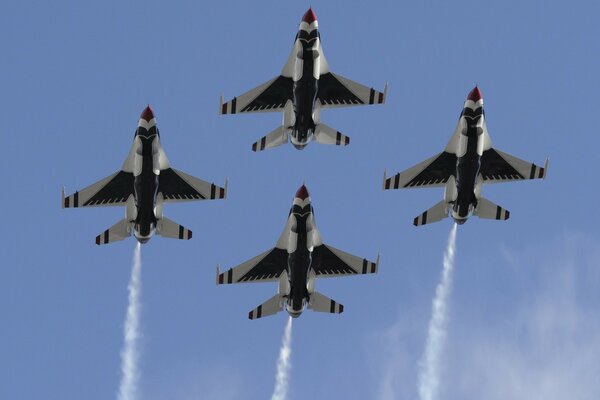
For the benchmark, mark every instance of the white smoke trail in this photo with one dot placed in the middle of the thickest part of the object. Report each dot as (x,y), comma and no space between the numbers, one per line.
(429,365)
(283,364)
(130,354)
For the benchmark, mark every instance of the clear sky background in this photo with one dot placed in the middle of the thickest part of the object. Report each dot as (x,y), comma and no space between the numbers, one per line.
(74,77)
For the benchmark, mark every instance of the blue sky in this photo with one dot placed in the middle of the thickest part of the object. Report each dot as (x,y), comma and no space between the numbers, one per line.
(74,78)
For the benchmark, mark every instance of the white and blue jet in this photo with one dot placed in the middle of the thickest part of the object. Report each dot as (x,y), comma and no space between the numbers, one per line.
(305,87)
(467,162)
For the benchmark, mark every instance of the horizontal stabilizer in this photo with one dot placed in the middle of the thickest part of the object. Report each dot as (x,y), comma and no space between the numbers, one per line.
(275,138)
(434,214)
(269,307)
(321,303)
(327,135)
(170,229)
(487,209)
(115,233)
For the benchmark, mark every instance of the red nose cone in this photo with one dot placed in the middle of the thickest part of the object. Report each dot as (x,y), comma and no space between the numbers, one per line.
(475,95)
(302,193)
(147,114)
(309,17)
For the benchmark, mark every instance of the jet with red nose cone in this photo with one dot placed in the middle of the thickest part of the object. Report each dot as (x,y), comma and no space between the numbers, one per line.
(468,162)
(296,261)
(305,87)
(144,184)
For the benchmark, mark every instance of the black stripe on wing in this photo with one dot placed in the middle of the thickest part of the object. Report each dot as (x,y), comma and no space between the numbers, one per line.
(437,172)
(117,190)
(173,187)
(269,267)
(274,96)
(494,167)
(325,262)
(332,91)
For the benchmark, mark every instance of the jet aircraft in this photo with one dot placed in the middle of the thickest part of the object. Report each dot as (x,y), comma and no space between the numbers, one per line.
(296,261)
(468,161)
(305,86)
(144,184)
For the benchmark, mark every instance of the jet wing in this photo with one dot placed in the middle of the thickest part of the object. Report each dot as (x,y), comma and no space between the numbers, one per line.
(330,262)
(270,96)
(265,267)
(497,166)
(110,191)
(432,172)
(179,186)
(337,91)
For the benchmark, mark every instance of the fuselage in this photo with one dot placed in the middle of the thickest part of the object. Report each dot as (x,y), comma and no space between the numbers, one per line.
(306,80)
(302,232)
(146,177)
(468,162)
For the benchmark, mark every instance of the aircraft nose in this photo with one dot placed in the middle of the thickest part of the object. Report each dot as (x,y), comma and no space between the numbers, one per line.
(309,17)
(475,95)
(302,193)
(147,114)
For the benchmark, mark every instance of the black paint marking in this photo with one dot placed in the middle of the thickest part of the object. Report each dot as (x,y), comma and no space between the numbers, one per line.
(106,236)
(259,311)
(233,104)
(212,191)
(230,276)
(498,212)
(76,199)
(332,307)
(532,174)
(371,96)
(181,232)
(396,181)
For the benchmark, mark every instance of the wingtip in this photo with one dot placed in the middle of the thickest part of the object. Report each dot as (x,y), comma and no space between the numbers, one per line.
(62,197)
(546,167)
(226,187)
(385,89)
(218,273)
(221,105)
(384,178)
(377,263)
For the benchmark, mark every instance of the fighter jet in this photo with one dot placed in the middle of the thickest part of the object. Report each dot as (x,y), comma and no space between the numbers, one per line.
(305,86)
(144,184)
(468,162)
(296,261)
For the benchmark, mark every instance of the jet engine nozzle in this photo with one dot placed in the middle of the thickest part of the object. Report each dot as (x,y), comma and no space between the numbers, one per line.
(295,307)
(143,232)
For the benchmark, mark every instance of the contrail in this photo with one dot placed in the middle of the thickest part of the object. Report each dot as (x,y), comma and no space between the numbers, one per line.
(283,364)
(130,354)
(429,374)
